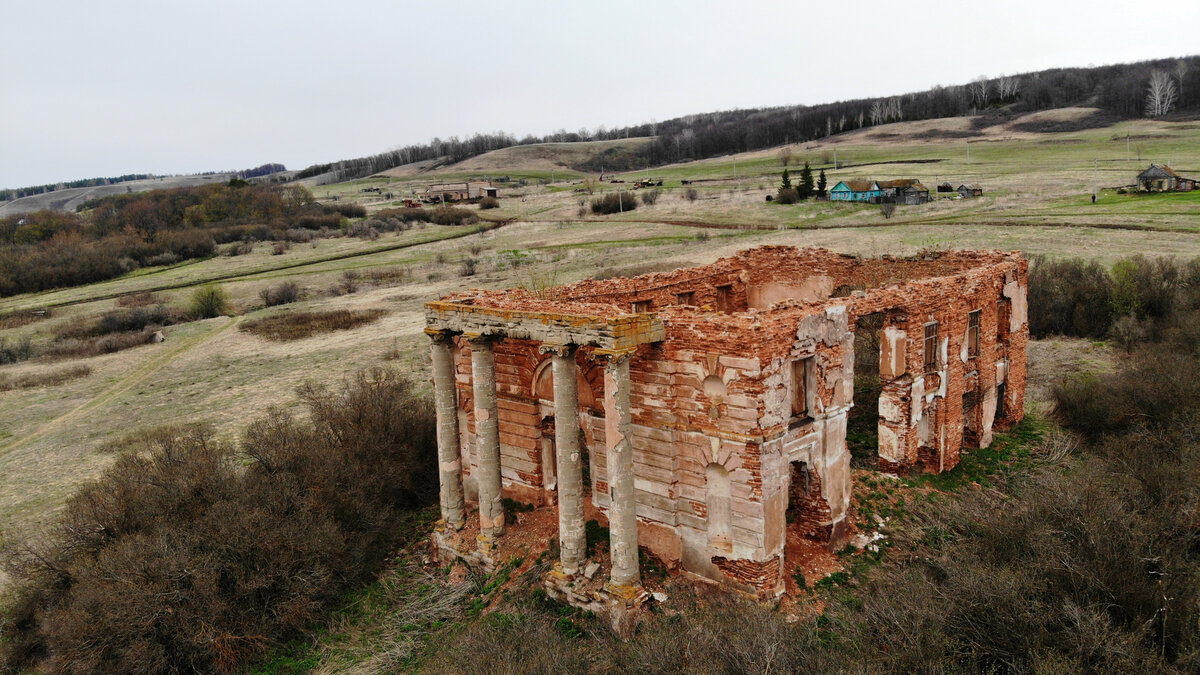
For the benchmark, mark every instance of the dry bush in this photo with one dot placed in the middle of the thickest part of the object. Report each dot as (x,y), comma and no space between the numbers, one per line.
(121,321)
(23,318)
(489,203)
(47,379)
(190,556)
(300,325)
(887,209)
(650,197)
(143,299)
(787,196)
(448,215)
(691,194)
(614,202)
(15,351)
(71,348)
(283,293)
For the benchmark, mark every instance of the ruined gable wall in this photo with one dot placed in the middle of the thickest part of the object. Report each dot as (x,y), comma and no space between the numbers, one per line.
(909,395)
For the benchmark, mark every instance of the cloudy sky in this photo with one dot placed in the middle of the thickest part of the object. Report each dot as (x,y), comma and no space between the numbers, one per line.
(104,88)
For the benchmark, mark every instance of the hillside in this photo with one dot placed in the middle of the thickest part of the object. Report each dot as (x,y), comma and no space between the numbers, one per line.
(70,199)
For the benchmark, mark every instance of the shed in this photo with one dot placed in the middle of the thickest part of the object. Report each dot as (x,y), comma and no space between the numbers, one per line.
(970,190)
(1162,178)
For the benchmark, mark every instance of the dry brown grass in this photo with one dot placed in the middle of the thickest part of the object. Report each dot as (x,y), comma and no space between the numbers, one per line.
(46,379)
(300,325)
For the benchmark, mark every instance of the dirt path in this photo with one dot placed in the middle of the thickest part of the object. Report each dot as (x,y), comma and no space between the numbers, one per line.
(134,378)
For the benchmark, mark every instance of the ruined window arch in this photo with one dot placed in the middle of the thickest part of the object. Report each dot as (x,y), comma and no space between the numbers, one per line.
(542,386)
(718,506)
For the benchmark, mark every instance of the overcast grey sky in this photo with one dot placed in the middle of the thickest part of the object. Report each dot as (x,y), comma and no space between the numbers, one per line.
(105,88)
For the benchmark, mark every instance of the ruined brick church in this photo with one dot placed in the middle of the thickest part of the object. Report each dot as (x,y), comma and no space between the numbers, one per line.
(702,413)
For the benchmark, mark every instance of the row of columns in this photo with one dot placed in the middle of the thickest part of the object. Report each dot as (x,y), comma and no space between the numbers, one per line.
(622,514)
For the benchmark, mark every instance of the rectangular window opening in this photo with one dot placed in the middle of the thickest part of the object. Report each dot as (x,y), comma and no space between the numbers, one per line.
(973,332)
(685,298)
(1002,317)
(724,293)
(641,306)
(800,371)
(931,346)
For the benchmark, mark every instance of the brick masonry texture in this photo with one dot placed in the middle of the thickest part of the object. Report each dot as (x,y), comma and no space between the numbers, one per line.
(721,414)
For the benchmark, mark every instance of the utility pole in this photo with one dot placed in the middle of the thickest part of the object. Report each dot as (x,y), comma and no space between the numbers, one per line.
(968,152)
(620,202)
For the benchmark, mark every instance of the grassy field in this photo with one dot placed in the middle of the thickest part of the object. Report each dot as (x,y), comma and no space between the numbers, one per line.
(1037,188)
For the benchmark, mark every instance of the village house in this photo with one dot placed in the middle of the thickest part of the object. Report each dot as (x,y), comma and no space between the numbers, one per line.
(855,191)
(1162,178)
(965,190)
(701,414)
(458,192)
(899,191)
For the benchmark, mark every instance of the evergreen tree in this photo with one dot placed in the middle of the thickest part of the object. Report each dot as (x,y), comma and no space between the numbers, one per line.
(786,183)
(821,184)
(806,182)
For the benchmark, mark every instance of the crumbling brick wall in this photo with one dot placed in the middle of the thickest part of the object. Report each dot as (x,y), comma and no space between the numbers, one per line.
(716,395)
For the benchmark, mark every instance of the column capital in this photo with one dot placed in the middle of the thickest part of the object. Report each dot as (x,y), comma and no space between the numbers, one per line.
(557,349)
(481,340)
(440,336)
(614,356)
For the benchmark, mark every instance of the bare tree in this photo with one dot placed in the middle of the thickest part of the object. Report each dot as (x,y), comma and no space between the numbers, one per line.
(979,87)
(785,156)
(1007,86)
(1160,94)
(877,112)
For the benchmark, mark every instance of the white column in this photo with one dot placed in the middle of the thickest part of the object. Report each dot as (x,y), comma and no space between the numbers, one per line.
(487,438)
(622,510)
(571,537)
(449,455)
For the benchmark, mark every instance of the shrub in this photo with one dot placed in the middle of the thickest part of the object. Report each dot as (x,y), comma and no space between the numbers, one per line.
(887,209)
(787,196)
(104,344)
(209,301)
(300,325)
(614,202)
(347,209)
(489,203)
(650,197)
(281,294)
(468,267)
(190,554)
(14,352)
(448,215)
(120,321)
(47,379)
(1069,297)
(691,194)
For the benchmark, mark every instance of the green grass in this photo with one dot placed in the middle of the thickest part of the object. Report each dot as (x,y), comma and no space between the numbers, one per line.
(1009,452)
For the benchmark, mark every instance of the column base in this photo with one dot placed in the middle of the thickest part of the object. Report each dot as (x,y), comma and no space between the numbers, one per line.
(626,594)
(444,525)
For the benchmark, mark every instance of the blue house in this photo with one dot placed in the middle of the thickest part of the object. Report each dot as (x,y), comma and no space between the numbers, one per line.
(855,191)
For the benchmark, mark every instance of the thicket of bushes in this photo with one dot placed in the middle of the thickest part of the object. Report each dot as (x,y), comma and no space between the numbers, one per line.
(117,234)
(190,554)
(614,202)
(1083,299)
(300,325)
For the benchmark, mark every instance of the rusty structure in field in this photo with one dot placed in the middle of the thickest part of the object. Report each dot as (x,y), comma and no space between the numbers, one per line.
(703,412)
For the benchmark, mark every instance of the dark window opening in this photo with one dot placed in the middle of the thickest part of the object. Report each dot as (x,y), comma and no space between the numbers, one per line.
(1003,307)
(800,371)
(641,306)
(685,298)
(1000,413)
(931,346)
(724,297)
(973,333)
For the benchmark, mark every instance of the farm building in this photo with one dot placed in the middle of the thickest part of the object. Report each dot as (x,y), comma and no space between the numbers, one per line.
(855,191)
(701,414)
(904,191)
(965,190)
(945,186)
(457,192)
(1162,178)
